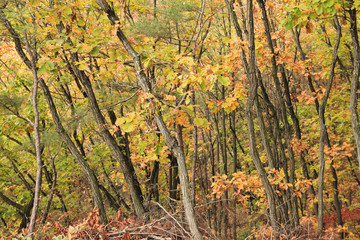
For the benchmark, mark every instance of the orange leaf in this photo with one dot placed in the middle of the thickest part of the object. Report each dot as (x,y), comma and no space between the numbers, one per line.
(126,236)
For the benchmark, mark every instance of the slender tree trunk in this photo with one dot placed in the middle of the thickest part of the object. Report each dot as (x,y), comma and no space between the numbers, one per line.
(323,133)
(232,119)
(225,163)
(252,99)
(337,202)
(250,70)
(334,182)
(173,178)
(195,154)
(120,156)
(75,152)
(213,173)
(120,198)
(183,175)
(355,79)
(39,165)
(219,213)
(52,189)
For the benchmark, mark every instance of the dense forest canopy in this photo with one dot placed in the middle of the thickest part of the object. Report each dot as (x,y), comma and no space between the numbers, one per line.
(177,119)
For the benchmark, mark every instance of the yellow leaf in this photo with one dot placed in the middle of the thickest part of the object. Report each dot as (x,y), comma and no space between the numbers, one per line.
(169,97)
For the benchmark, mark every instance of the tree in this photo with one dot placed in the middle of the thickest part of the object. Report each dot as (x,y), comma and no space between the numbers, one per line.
(228,114)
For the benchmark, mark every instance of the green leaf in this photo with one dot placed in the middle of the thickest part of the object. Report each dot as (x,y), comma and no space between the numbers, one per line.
(187,60)
(128,127)
(224,80)
(189,110)
(42,69)
(82,67)
(112,54)
(320,10)
(97,31)
(46,67)
(312,16)
(329,3)
(67,11)
(204,86)
(158,149)
(289,25)
(201,122)
(81,22)
(95,51)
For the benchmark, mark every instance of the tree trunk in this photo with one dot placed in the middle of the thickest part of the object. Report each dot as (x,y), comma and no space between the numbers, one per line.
(232,119)
(75,152)
(195,154)
(296,35)
(323,133)
(52,187)
(225,163)
(183,175)
(252,98)
(39,164)
(173,178)
(355,80)
(120,156)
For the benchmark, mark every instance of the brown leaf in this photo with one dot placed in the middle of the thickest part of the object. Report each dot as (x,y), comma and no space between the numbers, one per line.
(68,28)
(309,27)
(126,236)
(73,16)
(58,13)
(119,214)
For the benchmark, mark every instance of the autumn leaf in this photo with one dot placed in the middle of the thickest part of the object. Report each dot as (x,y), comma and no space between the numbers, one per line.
(126,236)
(224,80)
(309,27)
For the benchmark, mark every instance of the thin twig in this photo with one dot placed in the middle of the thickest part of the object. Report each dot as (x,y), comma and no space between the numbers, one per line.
(172,217)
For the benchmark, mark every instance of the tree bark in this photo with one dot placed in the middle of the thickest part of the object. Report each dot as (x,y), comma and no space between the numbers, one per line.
(120,156)
(225,163)
(232,119)
(195,154)
(252,99)
(355,80)
(53,186)
(39,164)
(323,133)
(75,152)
